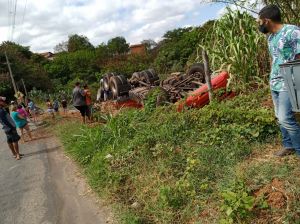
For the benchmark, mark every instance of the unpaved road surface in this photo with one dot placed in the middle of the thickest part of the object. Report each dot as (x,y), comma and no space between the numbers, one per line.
(45,187)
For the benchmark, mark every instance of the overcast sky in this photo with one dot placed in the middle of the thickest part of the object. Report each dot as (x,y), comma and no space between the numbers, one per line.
(49,22)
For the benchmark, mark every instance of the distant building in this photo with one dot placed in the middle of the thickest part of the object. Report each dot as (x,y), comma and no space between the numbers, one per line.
(138,49)
(48,55)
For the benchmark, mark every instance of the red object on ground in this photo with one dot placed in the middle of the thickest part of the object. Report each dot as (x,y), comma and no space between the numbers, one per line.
(200,97)
(128,103)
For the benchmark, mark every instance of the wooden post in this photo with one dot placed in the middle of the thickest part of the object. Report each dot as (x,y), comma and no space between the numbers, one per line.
(24,87)
(207,74)
(26,94)
(11,75)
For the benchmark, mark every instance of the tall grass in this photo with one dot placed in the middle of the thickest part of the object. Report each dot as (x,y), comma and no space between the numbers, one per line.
(235,44)
(169,165)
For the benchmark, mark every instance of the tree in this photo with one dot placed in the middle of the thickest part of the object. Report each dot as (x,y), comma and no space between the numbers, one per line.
(118,45)
(25,65)
(102,52)
(289,8)
(178,46)
(61,47)
(149,43)
(78,42)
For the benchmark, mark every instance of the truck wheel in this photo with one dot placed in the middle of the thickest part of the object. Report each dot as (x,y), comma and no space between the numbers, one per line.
(197,68)
(106,80)
(119,86)
(151,76)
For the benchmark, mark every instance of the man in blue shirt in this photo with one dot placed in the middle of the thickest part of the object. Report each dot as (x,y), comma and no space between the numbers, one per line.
(284,46)
(9,128)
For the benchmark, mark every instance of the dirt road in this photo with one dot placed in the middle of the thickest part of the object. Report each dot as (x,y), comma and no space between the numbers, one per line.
(45,187)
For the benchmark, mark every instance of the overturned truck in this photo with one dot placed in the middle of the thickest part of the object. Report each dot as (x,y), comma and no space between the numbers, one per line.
(190,86)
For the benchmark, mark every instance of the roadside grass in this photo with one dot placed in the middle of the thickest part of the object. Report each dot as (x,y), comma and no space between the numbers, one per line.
(199,166)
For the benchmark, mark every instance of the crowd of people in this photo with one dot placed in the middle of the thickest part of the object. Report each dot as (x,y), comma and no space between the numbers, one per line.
(10,122)
(17,115)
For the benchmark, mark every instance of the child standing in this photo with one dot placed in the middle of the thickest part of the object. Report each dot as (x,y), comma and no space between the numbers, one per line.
(21,123)
(50,109)
(32,109)
(23,112)
(55,105)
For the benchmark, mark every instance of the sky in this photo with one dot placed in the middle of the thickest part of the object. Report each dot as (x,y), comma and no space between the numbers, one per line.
(42,24)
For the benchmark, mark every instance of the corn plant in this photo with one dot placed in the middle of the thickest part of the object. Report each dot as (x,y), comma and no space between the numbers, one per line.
(235,44)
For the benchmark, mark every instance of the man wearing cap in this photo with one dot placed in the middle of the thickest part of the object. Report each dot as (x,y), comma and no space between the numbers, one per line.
(284,46)
(9,128)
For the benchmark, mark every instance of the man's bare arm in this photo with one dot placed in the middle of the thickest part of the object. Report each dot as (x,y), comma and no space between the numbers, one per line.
(297,57)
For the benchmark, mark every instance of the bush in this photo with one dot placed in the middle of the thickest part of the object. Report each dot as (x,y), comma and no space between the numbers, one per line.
(127,64)
(170,163)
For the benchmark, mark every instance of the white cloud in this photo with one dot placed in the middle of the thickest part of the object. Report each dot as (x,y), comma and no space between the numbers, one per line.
(49,22)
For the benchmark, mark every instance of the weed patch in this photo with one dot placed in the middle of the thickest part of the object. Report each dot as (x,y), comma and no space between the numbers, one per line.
(169,167)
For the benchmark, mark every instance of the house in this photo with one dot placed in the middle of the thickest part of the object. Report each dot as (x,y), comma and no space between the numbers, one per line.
(48,55)
(138,49)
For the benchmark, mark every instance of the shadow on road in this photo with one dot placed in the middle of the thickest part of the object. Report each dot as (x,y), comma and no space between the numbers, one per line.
(42,151)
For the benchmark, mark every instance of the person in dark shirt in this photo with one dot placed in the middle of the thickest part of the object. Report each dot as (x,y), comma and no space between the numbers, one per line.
(10,130)
(64,105)
(79,101)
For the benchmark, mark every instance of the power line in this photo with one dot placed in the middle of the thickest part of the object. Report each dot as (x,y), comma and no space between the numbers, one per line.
(9,19)
(23,19)
(14,20)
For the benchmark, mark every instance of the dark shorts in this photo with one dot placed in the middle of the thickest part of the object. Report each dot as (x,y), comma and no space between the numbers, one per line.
(12,136)
(89,110)
(82,109)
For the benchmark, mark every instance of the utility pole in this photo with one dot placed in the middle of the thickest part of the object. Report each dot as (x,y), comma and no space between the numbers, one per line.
(10,72)
(24,86)
(26,95)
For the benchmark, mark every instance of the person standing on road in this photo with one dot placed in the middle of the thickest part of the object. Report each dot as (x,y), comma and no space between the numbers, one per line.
(56,106)
(32,109)
(50,109)
(79,101)
(284,46)
(23,112)
(10,130)
(21,123)
(88,101)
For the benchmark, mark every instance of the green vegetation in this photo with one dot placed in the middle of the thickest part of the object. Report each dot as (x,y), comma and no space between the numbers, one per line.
(25,65)
(178,47)
(289,8)
(169,167)
(200,166)
(245,54)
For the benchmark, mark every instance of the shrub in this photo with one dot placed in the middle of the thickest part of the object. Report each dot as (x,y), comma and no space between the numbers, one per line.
(171,163)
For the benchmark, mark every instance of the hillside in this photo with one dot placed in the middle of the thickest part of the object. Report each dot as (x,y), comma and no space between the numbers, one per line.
(199,166)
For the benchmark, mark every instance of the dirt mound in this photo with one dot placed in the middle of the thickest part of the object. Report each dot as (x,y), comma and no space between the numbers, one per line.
(107,107)
(274,194)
